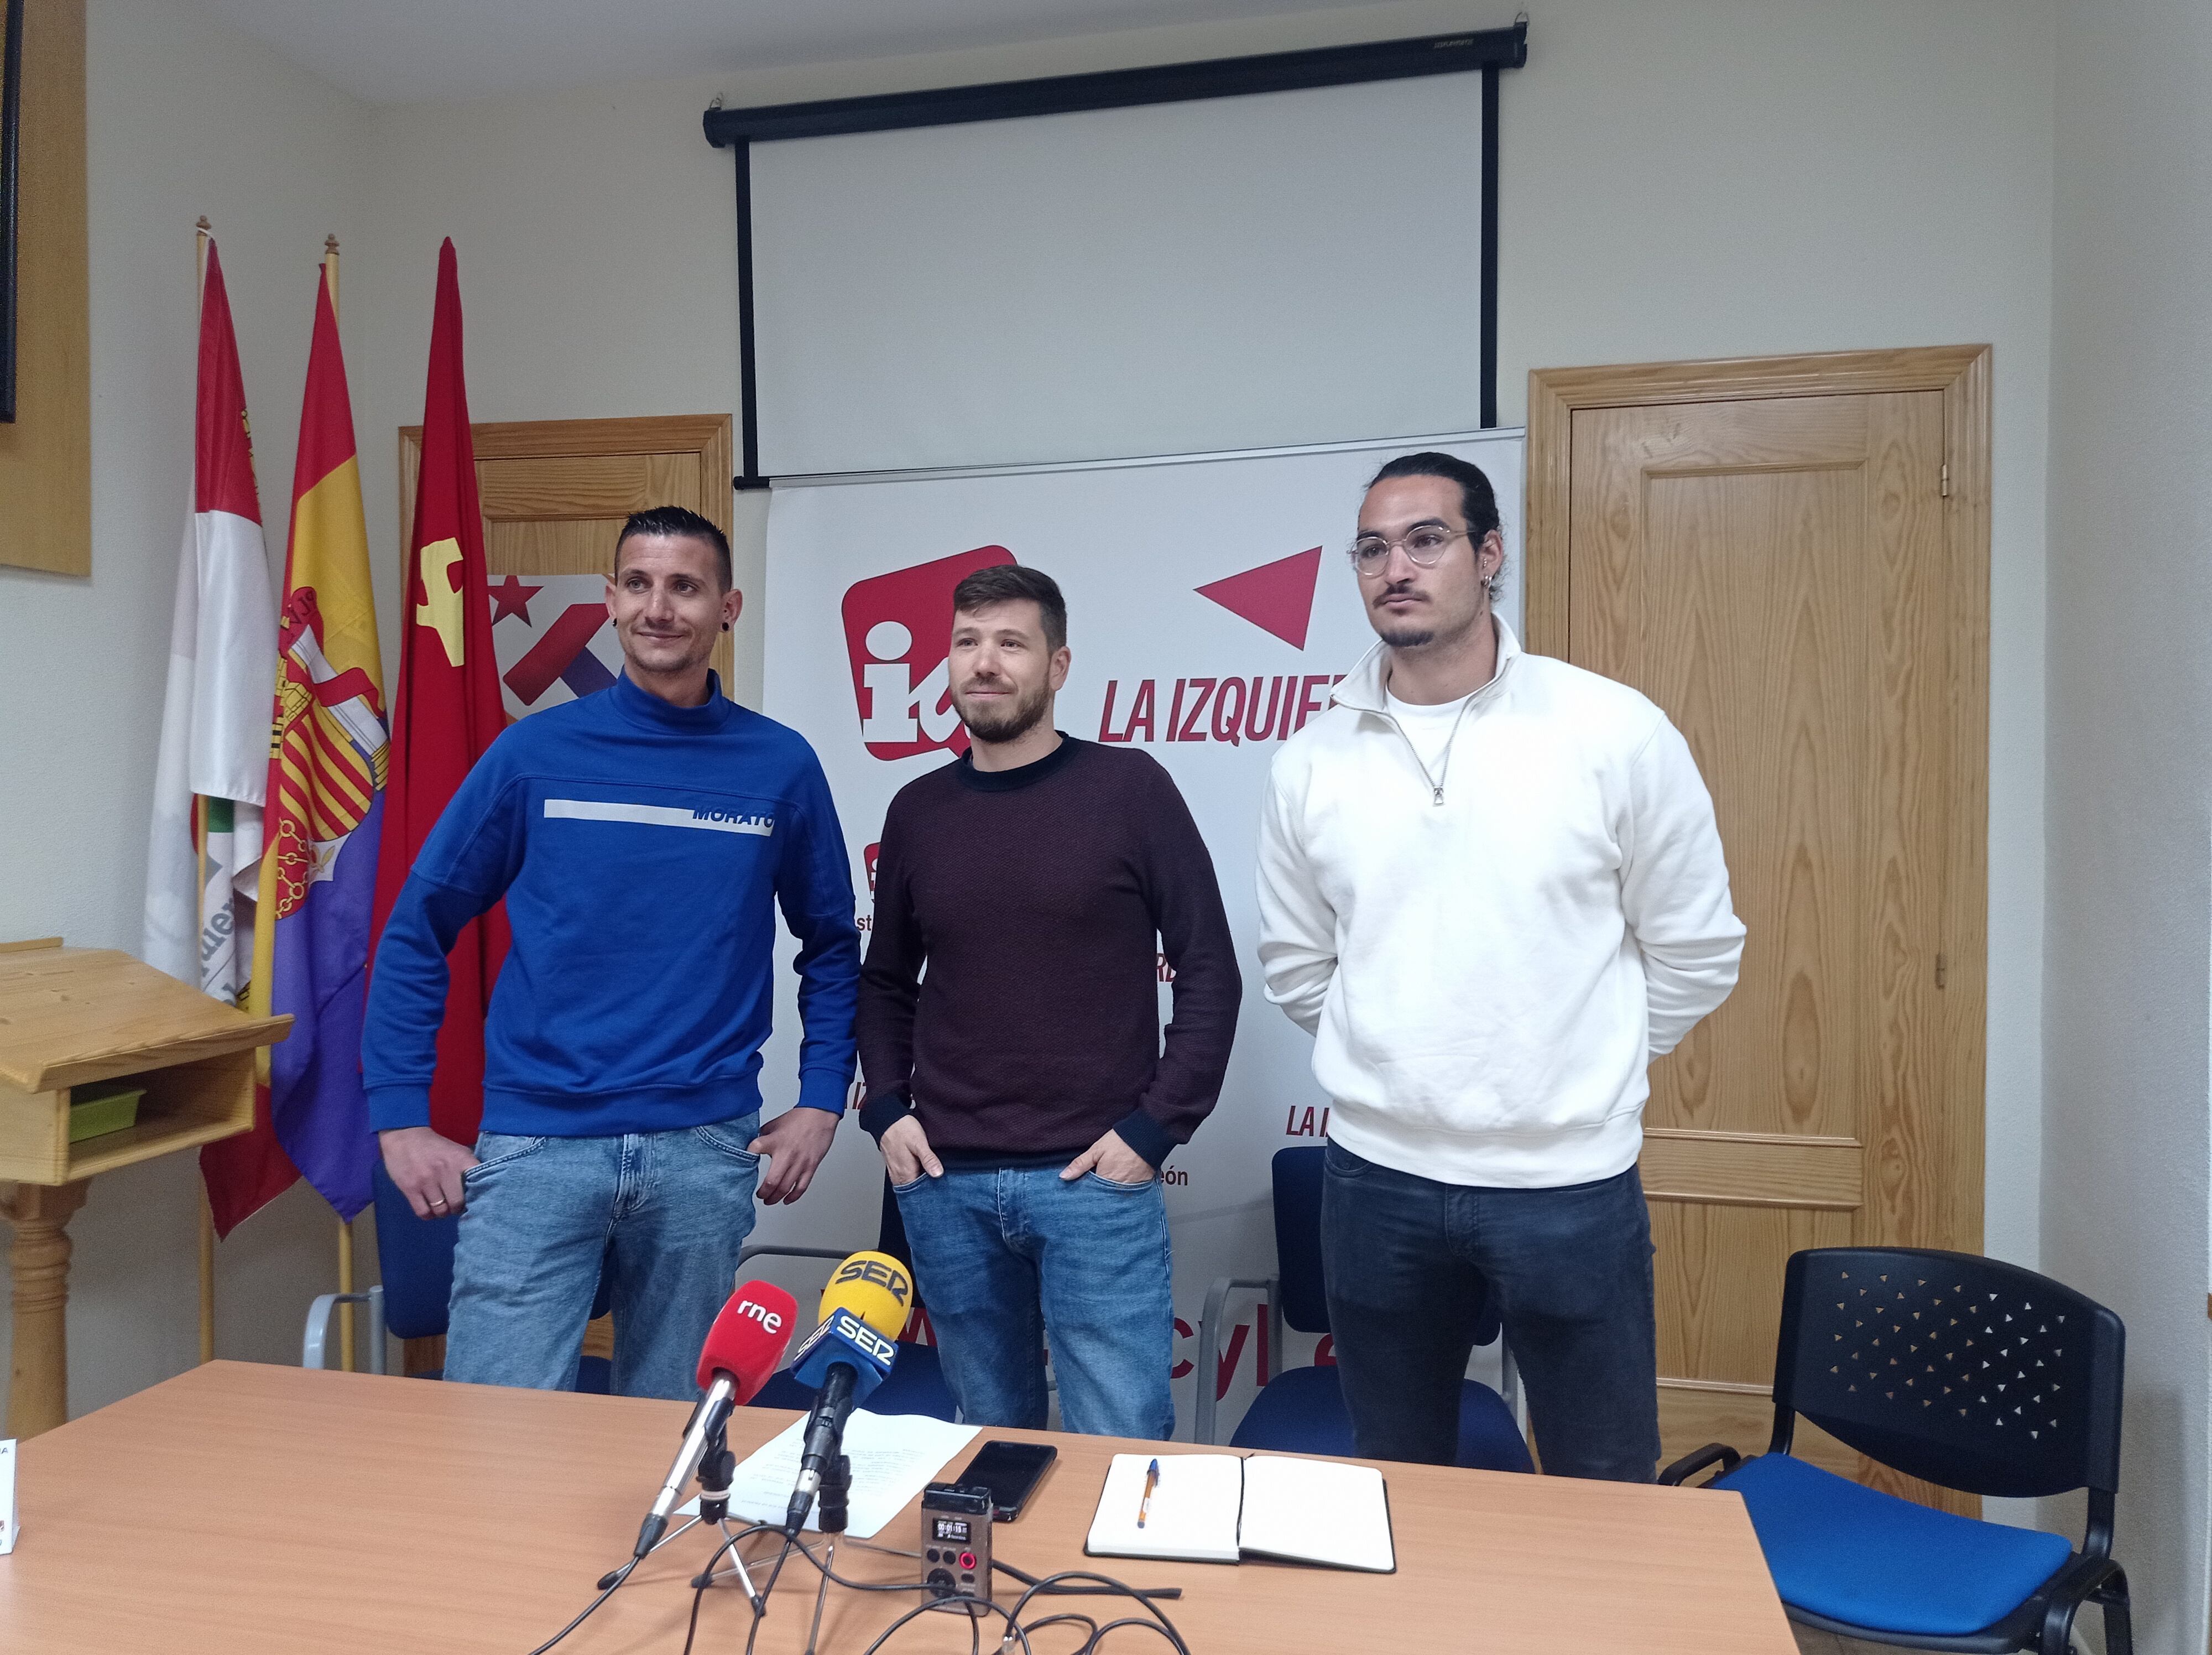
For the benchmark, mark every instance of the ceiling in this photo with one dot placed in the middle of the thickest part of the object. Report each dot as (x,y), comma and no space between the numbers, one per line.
(429,51)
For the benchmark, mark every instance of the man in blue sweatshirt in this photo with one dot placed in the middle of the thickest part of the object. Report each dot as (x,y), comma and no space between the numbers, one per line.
(643,838)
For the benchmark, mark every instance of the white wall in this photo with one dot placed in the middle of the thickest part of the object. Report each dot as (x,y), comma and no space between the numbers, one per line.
(185,117)
(1682,178)
(2128,1093)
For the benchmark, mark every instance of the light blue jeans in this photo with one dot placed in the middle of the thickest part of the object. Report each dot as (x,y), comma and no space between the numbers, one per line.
(1007,1258)
(664,1212)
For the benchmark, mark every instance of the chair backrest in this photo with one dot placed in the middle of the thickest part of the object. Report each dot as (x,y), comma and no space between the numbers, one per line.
(1298,1237)
(415,1257)
(1299,1175)
(1964,1370)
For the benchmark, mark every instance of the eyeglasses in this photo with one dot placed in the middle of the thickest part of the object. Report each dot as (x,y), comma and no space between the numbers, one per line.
(1425,545)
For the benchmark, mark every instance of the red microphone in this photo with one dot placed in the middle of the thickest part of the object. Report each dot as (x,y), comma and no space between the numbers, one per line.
(748,1340)
(745,1347)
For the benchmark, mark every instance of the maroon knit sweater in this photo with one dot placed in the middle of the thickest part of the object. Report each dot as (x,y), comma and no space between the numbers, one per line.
(1039,898)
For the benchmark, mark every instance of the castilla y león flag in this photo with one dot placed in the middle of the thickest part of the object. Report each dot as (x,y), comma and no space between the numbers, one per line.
(203,858)
(446,708)
(326,769)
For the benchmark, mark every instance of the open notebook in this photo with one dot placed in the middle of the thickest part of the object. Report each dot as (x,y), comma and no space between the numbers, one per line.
(1217,1508)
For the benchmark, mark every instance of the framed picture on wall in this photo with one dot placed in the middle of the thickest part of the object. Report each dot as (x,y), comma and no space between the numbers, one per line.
(11,105)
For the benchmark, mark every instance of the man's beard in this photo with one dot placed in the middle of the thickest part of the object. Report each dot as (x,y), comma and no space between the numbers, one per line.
(1409,637)
(1419,635)
(1004,722)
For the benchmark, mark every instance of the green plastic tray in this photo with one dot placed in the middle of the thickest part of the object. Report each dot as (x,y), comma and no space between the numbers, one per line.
(97,1110)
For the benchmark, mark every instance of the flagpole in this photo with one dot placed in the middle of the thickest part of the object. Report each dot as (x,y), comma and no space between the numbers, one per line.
(199,843)
(345,1226)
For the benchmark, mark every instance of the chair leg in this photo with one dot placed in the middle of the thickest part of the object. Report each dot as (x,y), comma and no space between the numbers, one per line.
(2059,1628)
(2120,1619)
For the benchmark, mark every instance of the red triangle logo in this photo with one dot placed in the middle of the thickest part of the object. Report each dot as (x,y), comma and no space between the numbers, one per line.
(1275,597)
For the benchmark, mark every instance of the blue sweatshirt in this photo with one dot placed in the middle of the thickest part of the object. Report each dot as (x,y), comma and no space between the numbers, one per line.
(642,849)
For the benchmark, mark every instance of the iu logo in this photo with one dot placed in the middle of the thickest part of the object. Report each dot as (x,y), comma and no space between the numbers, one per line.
(897,630)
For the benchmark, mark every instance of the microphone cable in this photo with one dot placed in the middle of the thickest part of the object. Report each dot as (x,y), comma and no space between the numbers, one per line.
(1068,1583)
(609,1590)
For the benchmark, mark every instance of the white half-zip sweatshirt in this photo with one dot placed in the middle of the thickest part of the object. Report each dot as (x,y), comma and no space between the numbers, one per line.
(1490,950)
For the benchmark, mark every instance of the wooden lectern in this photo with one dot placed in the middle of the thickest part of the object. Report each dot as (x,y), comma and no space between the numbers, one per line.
(70,1017)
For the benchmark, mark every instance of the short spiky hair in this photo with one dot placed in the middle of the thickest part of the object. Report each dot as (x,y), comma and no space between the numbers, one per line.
(676,523)
(1003,583)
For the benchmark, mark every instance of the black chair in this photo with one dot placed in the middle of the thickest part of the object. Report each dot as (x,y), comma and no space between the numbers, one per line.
(1963,1372)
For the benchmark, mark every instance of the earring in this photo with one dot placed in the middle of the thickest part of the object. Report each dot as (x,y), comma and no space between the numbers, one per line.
(725,626)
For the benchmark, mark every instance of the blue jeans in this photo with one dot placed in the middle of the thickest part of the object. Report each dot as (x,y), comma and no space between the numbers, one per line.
(1408,1262)
(666,1213)
(1008,1258)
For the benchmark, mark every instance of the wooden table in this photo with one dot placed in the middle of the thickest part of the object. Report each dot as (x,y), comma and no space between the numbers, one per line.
(239,1509)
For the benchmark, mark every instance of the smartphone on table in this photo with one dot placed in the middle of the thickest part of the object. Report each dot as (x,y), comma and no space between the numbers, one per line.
(1011,1471)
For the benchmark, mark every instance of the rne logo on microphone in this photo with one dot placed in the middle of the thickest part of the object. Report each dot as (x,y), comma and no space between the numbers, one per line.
(898,627)
(767,1319)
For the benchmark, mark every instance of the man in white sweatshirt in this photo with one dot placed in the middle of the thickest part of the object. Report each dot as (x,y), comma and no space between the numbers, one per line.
(1491,887)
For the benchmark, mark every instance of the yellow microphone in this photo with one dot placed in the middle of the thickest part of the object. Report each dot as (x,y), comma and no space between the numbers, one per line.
(864,1309)
(874,1286)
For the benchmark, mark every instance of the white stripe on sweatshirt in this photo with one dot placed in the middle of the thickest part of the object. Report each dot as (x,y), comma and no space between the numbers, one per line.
(1487,976)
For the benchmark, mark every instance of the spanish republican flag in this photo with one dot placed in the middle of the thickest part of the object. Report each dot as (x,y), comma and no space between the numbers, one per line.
(446,708)
(209,783)
(327,770)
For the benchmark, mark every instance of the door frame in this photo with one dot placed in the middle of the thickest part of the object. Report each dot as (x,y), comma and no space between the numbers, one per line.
(1962,373)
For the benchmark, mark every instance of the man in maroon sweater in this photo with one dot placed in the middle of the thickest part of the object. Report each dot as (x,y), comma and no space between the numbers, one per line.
(1020,1092)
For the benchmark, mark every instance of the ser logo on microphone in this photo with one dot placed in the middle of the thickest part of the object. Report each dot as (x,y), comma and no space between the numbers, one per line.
(852,1328)
(772,1320)
(875,1271)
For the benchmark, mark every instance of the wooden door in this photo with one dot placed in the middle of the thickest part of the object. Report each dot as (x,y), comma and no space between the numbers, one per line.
(554,494)
(1790,558)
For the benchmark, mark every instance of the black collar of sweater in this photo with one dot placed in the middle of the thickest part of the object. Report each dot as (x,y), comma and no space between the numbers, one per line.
(1022,775)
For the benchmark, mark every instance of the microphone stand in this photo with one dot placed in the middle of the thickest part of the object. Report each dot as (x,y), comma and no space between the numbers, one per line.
(836,1488)
(717,1467)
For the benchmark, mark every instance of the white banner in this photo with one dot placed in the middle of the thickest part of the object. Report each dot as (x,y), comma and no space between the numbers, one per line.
(1210,607)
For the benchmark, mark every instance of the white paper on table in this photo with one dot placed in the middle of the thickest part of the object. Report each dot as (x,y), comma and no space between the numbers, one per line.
(895,1456)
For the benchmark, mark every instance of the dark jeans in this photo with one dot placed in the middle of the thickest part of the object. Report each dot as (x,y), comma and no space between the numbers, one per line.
(1409,1261)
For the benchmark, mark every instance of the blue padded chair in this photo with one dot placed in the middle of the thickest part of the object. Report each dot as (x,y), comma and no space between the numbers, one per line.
(915,1383)
(415,1257)
(1963,1372)
(1302,1411)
